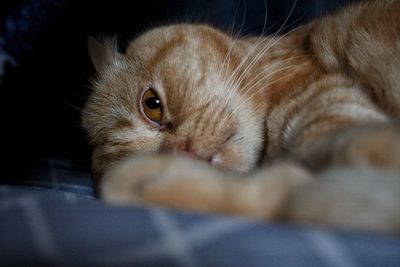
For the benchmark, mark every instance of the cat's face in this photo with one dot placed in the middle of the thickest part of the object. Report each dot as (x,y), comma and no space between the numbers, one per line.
(175,90)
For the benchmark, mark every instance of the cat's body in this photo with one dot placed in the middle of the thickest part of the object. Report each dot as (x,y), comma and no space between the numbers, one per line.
(326,95)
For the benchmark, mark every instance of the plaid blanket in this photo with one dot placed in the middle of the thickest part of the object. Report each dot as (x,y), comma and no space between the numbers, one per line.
(54,173)
(58,222)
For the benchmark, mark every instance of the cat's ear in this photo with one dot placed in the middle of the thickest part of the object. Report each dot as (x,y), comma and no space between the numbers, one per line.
(103,52)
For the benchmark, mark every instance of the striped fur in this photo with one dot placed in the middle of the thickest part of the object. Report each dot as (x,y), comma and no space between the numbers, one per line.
(324,96)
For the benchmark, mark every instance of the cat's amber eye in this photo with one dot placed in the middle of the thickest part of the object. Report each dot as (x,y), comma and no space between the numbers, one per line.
(151,105)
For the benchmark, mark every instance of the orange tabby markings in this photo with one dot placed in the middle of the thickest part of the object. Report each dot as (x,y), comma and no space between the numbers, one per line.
(325,95)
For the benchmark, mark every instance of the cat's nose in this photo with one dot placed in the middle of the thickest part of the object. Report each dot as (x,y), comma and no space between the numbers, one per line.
(185,148)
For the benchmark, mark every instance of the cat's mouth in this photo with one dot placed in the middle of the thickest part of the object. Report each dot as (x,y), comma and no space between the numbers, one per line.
(216,157)
(219,159)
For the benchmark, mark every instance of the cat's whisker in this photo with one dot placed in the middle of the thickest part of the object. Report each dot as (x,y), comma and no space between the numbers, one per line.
(236,72)
(265,70)
(251,65)
(252,96)
(254,81)
(235,39)
(265,18)
(264,25)
(226,62)
(259,55)
(74,107)
(234,83)
(234,88)
(281,62)
(255,93)
(243,61)
(266,48)
(249,89)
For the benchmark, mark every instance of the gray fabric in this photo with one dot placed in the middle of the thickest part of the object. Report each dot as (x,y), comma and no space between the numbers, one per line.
(55,173)
(53,228)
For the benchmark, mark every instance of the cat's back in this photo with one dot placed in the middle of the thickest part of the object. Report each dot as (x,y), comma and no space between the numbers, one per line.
(363,41)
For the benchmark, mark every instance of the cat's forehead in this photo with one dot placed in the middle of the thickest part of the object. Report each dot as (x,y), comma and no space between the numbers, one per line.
(181,55)
(182,42)
(184,64)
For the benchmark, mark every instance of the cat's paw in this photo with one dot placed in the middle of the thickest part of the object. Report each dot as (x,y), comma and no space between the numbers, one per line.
(179,182)
(166,180)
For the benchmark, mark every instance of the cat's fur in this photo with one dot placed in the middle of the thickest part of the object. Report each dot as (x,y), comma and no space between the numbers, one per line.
(315,102)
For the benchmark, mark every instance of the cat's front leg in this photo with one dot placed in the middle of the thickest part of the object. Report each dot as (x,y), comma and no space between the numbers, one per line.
(364,144)
(356,149)
(179,182)
(341,125)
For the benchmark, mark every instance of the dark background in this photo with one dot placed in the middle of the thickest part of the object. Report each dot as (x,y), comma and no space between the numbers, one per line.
(46,78)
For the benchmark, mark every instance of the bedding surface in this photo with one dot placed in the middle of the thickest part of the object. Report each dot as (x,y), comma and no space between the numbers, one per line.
(50,217)
(45,227)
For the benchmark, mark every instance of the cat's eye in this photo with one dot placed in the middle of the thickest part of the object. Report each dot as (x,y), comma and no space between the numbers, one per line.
(151,105)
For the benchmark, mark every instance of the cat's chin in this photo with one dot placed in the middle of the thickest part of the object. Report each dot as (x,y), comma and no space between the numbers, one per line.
(224,162)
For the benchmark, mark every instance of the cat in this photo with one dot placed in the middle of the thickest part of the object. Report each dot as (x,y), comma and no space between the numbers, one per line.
(300,127)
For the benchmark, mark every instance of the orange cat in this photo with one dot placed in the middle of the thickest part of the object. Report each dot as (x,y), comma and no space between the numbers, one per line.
(300,126)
